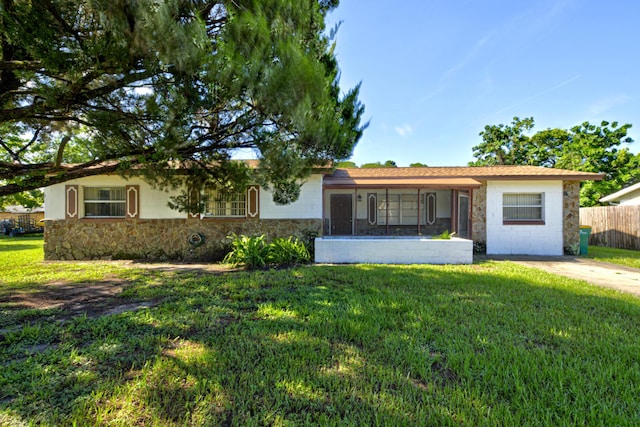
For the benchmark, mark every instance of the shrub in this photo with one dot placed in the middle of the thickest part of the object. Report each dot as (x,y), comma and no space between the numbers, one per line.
(445,235)
(252,252)
(288,251)
(308,238)
(479,248)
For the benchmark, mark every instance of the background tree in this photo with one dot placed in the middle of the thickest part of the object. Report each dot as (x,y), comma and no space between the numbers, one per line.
(504,144)
(418,165)
(28,199)
(113,85)
(346,164)
(587,148)
(387,164)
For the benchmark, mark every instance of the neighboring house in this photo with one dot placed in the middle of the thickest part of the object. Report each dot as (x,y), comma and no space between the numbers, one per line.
(507,209)
(10,212)
(626,196)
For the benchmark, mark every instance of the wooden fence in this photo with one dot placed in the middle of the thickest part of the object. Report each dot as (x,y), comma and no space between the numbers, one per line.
(613,226)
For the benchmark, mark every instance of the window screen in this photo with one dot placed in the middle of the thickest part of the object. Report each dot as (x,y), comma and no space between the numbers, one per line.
(523,206)
(219,204)
(104,202)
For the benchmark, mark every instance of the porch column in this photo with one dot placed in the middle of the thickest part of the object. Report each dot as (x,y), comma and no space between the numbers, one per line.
(454,211)
(419,211)
(470,214)
(386,210)
(322,228)
(354,224)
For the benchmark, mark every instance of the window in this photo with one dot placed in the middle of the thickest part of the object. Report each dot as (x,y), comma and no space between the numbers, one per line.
(228,205)
(104,202)
(523,207)
(402,209)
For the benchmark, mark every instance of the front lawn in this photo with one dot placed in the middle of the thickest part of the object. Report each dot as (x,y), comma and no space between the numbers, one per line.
(488,344)
(628,258)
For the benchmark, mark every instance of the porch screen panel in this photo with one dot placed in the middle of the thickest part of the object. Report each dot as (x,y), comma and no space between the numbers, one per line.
(401,209)
(409,210)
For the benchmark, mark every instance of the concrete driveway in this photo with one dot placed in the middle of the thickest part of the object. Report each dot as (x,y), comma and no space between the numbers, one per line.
(603,274)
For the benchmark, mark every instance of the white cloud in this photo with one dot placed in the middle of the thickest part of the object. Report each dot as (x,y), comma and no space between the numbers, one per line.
(404,130)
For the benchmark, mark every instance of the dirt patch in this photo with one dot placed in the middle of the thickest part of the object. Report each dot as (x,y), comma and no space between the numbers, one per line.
(97,298)
(66,295)
(89,299)
(183,267)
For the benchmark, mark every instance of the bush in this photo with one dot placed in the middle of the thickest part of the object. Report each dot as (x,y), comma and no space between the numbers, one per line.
(308,238)
(254,252)
(445,235)
(479,248)
(288,251)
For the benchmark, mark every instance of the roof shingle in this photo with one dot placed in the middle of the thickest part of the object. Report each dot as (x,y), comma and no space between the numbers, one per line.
(481,173)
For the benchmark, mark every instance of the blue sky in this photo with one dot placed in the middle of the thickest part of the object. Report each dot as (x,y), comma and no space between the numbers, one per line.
(434,73)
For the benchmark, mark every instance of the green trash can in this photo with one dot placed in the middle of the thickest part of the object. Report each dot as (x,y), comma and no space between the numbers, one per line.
(585,231)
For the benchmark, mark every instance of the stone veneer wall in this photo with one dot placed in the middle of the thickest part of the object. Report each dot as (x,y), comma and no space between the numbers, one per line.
(479,214)
(160,239)
(571,215)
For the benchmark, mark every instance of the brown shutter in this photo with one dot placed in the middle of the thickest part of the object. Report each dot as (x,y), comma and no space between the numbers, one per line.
(133,201)
(431,208)
(372,208)
(194,201)
(71,202)
(253,202)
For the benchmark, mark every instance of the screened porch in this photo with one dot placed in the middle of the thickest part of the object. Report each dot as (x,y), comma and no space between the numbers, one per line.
(388,211)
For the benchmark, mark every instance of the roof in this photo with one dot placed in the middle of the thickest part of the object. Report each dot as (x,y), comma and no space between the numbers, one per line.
(456,176)
(620,194)
(425,181)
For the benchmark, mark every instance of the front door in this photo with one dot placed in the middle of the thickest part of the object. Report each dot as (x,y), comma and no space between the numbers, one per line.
(341,214)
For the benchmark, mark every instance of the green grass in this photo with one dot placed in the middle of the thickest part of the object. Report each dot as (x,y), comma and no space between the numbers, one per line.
(628,258)
(488,344)
(23,269)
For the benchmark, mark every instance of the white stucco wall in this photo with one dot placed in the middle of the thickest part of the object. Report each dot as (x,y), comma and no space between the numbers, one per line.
(54,202)
(308,205)
(545,239)
(153,202)
(349,250)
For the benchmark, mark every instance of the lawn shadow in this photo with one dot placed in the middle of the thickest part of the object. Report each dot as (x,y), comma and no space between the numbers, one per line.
(334,344)
(22,247)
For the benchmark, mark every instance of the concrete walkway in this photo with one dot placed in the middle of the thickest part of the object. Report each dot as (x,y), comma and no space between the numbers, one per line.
(603,274)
